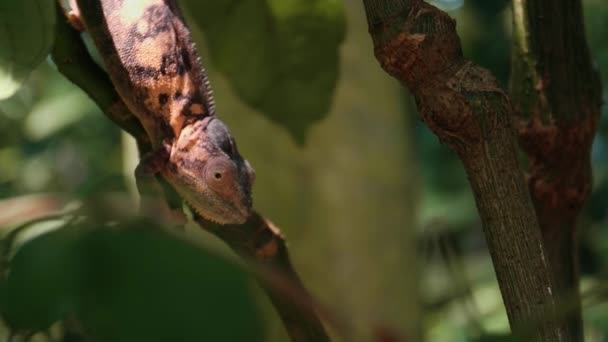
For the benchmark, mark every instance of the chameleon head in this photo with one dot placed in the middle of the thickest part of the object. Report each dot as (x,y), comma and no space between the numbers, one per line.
(210,174)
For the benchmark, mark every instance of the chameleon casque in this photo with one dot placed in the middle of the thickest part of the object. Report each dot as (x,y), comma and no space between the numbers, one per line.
(148,52)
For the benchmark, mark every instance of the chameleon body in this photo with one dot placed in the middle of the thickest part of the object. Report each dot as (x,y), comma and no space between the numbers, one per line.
(148,52)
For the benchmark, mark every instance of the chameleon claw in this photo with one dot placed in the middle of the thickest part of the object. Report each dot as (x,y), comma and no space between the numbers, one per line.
(151,190)
(153,162)
(73,16)
(75,22)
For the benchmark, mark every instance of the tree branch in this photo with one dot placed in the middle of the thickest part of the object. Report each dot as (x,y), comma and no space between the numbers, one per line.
(256,240)
(558,94)
(74,62)
(259,240)
(465,107)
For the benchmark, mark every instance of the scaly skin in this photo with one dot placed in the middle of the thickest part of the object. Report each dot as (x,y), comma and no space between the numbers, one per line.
(148,52)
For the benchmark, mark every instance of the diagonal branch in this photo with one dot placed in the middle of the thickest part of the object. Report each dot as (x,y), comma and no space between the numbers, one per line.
(260,241)
(257,240)
(465,107)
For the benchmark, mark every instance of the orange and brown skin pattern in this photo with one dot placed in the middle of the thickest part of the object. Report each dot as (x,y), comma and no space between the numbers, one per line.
(148,52)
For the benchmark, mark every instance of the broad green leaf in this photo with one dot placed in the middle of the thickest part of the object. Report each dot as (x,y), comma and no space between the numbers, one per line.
(281,56)
(43,281)
(26,37)
(129,283)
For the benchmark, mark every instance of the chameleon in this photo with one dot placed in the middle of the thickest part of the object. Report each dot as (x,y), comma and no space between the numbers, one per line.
(148,52)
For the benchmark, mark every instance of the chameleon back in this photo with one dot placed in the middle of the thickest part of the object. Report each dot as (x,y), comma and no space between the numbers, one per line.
(151,59)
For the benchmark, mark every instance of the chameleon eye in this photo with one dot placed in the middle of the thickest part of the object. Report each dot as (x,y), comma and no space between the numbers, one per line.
(220,175)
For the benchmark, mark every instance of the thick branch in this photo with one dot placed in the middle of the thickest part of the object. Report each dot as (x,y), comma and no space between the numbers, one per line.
(465,107)
(74,62)
(558,93)
(256,240)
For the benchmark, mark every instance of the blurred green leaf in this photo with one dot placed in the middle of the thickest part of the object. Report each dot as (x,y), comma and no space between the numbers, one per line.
(488,8)
(129,283)
(281,56)
(26,37)
(42,283)
(52,114)
(494,338)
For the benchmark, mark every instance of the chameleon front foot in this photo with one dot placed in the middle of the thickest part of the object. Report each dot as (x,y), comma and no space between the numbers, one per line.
(156,202)
(145,173)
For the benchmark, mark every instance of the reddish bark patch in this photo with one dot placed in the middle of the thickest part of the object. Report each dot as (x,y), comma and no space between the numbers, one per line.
(455,98)
(559,176)
(426,47)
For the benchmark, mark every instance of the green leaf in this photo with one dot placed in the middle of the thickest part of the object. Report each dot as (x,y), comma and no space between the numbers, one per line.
(26,37)
(42,283)
(129,283)
(281,56)
(495,338)
(52,114)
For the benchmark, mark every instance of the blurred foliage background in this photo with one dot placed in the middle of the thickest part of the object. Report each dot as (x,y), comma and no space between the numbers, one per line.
(379,217)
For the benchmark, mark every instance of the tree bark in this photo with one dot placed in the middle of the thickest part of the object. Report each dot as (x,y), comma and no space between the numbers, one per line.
(558,96)
(257,240)
(466,108)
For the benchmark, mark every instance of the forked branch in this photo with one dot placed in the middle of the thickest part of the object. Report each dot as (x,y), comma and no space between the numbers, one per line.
(465,107)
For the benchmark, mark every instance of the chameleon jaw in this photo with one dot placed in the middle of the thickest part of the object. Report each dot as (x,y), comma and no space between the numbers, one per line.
(216,218)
